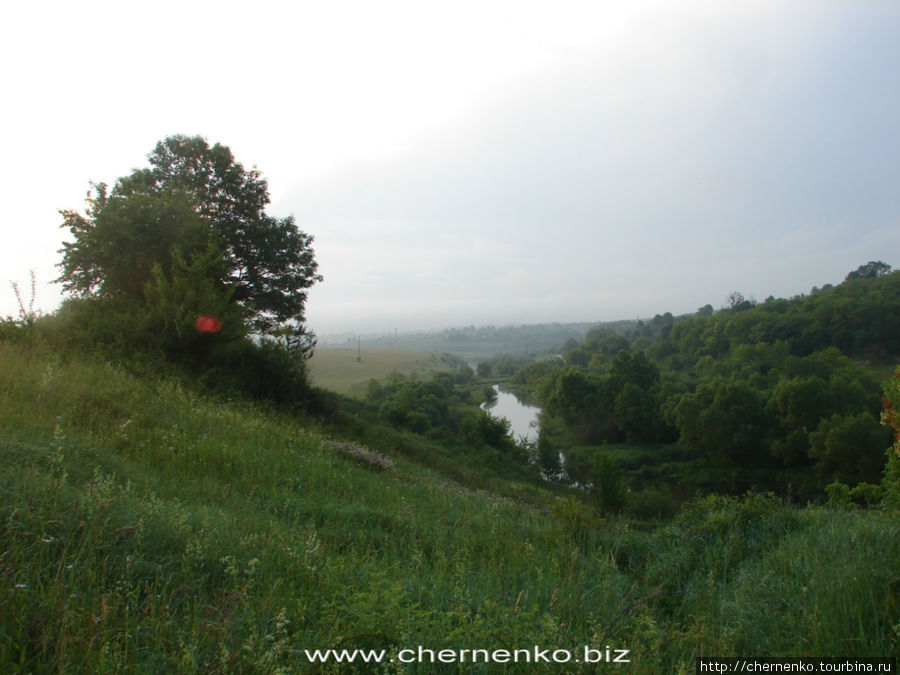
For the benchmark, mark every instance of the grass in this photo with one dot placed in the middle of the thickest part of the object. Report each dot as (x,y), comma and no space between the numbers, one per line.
(338,370)
(148,529)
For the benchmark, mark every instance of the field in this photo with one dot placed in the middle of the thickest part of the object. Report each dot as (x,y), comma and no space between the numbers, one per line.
(339,369)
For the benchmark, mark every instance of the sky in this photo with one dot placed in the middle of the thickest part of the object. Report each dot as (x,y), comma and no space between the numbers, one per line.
(486,163)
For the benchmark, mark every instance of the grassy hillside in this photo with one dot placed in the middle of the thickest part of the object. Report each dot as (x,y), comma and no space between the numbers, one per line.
(148,528)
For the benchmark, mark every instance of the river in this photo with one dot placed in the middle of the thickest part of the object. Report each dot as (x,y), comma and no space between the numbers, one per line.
(523,419)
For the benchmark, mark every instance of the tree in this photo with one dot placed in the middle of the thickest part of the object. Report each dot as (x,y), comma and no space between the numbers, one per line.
(724,420)
(851,447)
(737,302)
(636,413)
(635,369)
(548,455)
(798,404)
(568,395)
(122,237)
(871,270)
(194,197)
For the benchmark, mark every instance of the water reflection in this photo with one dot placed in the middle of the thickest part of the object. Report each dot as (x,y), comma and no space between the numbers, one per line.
(523,419)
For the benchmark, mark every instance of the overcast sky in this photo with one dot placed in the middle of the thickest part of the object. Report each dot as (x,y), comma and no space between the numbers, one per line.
(483,162)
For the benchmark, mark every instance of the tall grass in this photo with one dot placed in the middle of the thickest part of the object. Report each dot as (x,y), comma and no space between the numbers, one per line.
(147,528)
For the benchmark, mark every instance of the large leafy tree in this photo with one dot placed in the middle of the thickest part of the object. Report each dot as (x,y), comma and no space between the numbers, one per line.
(121,237)
(724,420)
(871,270)
(193,198)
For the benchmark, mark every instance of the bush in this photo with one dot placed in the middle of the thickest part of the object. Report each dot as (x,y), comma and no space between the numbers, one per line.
(225,362)
(653,503)
(838,494)
(867,494)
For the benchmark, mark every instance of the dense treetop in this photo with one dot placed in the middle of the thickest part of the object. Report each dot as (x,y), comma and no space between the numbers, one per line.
(194,208)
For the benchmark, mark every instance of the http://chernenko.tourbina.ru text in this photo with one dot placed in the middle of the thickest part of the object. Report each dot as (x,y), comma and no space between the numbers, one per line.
(799,664)
(421,654)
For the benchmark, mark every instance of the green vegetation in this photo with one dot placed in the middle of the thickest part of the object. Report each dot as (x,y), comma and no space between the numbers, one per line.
(189,235)
(177,496)
(150,528)
(348,371)
(782,396)
(446,410)
(179,263)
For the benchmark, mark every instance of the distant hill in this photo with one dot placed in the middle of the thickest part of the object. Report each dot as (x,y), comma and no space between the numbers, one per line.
(485,341)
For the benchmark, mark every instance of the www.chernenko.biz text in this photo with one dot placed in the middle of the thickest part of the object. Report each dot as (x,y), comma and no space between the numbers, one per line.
(422,654)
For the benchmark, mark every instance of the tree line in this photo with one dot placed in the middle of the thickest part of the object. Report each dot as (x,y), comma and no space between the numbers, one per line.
(789,386)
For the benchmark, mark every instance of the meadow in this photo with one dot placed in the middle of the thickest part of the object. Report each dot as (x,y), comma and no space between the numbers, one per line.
(348,371)
(148,528)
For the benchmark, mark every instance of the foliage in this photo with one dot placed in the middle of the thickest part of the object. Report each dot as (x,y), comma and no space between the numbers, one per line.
(619,404)
(501,366)
(162,337)
(890,416)
(849,447)
(189,290)
(532,373)
(609,484)
(195,199)
(787,389)
(871,270)
(179,265)
(858,317)
(446,408)
(548,455)
(797,404)
(122,236)
(148,528)
(725,421)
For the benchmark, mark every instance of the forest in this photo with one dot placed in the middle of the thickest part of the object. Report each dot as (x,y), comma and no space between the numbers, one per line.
(781,396)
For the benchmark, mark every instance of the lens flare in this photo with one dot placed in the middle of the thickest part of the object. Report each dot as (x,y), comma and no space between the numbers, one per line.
(208,324)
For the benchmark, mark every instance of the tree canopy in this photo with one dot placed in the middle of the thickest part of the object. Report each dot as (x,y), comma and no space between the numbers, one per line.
(780,395)
(192,200)
(871,270)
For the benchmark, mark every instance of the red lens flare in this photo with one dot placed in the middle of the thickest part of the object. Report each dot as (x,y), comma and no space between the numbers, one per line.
(208,324)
